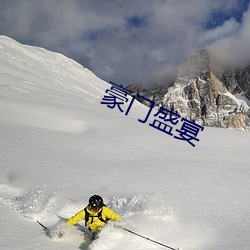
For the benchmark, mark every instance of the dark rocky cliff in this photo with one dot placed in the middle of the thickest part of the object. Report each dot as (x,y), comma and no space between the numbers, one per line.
(211,99)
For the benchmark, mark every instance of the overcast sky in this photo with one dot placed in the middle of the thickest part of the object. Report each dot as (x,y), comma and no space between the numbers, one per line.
(131,41)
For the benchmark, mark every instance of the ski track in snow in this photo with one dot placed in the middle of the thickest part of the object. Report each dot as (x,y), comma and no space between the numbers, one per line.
(43,117)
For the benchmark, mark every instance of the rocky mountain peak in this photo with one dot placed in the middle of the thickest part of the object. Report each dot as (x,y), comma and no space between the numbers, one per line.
(197,64)
(204,96)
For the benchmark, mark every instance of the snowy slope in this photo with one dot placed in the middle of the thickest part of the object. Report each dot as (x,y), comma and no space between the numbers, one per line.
(59,145)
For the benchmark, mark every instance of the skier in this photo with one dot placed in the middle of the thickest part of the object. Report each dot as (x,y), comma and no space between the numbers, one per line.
(95,214)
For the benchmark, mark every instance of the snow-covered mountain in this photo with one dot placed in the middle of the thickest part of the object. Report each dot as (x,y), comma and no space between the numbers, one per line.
(210,98)
(59,145)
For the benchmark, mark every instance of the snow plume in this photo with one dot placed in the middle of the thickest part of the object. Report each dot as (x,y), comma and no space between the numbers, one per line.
(147,215)
(35,203)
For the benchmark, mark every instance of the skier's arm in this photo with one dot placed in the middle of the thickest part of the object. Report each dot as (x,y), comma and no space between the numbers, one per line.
(77,217)
(110,214)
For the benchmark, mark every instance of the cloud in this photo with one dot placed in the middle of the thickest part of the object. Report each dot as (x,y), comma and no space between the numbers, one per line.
(228,28)
(233,49)
(124,41)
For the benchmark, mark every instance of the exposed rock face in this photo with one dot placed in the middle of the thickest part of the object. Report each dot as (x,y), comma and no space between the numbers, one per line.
(136,88)
(237,81)
(198,94)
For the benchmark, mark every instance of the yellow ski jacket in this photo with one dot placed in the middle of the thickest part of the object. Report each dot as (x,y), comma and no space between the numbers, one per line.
(94,223)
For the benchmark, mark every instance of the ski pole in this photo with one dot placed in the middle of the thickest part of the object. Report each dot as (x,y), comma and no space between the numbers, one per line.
(146,238)
(45,228)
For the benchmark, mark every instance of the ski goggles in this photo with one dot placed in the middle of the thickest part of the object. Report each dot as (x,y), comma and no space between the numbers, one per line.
(94,208)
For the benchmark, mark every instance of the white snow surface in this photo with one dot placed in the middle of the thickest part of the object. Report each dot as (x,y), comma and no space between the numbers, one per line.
(60,145)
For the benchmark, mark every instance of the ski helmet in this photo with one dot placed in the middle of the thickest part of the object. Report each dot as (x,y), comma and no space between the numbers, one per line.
(95,202)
